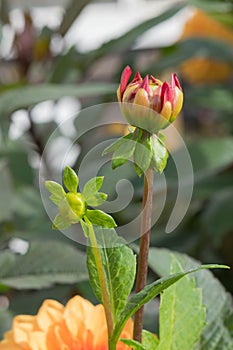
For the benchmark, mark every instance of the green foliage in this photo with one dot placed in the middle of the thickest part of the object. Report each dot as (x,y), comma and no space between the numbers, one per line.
(28,96)
(159,154)
(149,342)
(70,179)
(182,315)
(119,265)
(150,292)
(56,190)
(99,218)
(142,155)
(42,266)
(218,332)
(91,194)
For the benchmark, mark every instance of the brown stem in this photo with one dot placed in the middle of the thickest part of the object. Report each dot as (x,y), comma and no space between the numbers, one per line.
(144,247)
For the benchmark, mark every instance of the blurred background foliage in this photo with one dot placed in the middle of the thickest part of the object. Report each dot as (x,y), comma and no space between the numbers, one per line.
(39,64)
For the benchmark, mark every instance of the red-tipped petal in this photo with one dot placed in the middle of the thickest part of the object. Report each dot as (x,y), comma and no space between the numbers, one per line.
(164,93)
(124,79)
(137,78)
(145,84)
(175,82)
(154,80)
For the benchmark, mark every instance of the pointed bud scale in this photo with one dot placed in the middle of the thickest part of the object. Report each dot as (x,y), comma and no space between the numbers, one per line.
(137,78)
(145,84)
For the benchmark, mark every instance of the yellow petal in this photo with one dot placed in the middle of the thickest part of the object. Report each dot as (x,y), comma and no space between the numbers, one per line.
(141,98)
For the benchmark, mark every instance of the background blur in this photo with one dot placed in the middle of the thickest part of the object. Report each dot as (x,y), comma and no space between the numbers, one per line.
(60,56)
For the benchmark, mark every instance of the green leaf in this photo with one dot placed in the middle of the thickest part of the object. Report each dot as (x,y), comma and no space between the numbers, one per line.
(119,264)
(150,292)
(127,40)
(91,194)
(182,314)
(99,218)
(70,179)
(114,146)
(26,96)
(142,155)
(57,191)
(159,154)
(218,332)
(149,340)
(42,266)
(6,191)
(135,345)
(217,218)
(123,152)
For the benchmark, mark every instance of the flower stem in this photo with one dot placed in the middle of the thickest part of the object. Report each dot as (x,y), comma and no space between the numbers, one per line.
(144,247)
(102,280)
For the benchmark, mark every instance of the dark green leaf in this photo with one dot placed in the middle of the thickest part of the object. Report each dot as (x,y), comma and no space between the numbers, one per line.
(42,266)
(119,264)
(99,218)
(128,39)
(114,146)
(218,332)
(217,219)
(159,154)
(27,96)
(123,153)
(70,179)
(142,155)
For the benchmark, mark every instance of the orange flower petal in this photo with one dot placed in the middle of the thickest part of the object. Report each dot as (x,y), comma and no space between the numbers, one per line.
(50,312)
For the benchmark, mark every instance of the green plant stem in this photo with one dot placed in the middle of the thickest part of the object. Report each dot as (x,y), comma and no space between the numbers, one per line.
(144,247)
(102,281)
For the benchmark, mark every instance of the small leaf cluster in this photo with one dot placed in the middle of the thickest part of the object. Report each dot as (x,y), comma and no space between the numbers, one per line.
(74,206)
(147,150)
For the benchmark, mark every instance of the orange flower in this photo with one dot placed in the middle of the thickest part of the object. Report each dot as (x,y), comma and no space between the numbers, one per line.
(78,326)
(198,70)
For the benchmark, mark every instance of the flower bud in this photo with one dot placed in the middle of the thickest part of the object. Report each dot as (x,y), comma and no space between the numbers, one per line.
(161,102)
(77,203)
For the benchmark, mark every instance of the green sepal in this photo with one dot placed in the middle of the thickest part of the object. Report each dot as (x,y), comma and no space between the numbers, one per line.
(70,179)
(60,223)
(142,155)
(159,154)
(123,152)
(91,194)
(99,218)
(114,146)
(56,190)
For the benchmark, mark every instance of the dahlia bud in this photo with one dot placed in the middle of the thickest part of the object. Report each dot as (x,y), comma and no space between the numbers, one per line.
(160,102)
